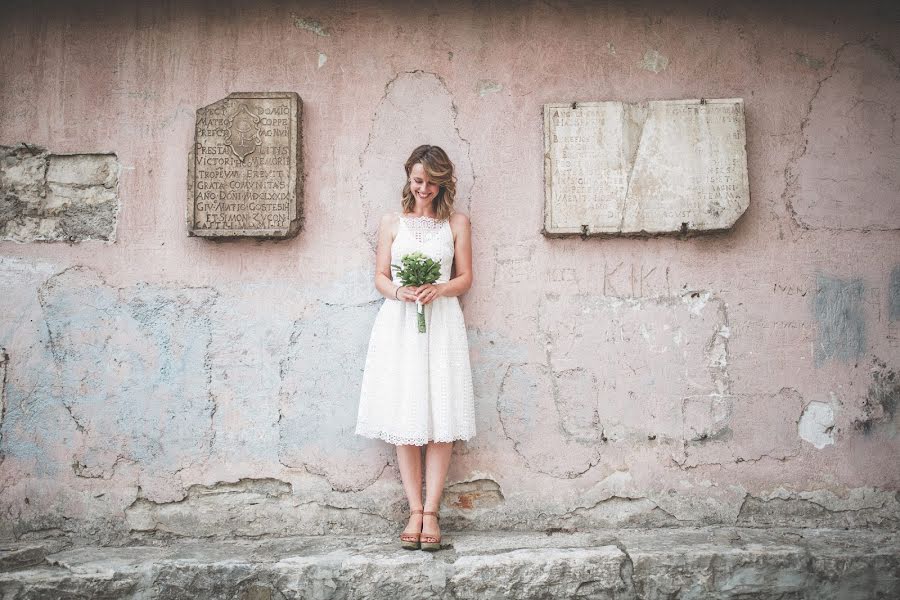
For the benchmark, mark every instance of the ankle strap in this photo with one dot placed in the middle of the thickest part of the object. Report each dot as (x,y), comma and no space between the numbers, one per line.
(436,516)
(416,511)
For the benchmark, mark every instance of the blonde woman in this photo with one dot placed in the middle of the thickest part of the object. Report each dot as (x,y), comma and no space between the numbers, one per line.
(417,387)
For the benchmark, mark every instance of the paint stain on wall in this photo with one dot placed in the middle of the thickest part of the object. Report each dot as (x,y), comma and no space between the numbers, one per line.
(882,397)
(894,295)
(487,86)
(838,309)
(653,61)
(469,495)
(810,61)
(310,25)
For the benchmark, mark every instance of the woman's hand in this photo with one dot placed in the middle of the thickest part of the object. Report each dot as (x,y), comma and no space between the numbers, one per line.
(428,292)
(407,293)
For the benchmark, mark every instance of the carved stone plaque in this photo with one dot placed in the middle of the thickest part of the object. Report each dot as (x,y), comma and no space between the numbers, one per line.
(245,168)
(652,167)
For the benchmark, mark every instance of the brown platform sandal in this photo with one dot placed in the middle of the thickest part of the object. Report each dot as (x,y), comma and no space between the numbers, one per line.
(430,542)
(410,541)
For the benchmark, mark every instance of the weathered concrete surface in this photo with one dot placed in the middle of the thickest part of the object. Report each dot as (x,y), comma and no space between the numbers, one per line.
(57,197)
(685,563)
(663,166)
(161,385)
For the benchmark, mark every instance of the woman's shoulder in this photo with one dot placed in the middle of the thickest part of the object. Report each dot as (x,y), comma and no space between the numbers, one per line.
(458,222)
(458,219)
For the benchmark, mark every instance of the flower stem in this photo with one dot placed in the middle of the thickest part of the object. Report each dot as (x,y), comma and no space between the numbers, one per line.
(420,309)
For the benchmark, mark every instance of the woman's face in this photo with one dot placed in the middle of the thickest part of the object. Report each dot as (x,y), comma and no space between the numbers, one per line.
(422,189)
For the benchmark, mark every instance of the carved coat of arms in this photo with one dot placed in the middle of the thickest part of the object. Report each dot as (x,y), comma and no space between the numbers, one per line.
(242,133)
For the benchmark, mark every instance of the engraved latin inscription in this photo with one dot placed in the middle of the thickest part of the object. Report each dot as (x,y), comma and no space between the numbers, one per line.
(653,167)
(245,167)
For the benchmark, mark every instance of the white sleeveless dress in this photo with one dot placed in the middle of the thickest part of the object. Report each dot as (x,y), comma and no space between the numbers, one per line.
(417,387)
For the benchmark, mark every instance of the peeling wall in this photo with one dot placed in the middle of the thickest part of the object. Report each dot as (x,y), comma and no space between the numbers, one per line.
(156,384)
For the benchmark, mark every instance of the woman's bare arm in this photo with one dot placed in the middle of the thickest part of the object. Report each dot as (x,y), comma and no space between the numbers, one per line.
(383,282)
(462,257)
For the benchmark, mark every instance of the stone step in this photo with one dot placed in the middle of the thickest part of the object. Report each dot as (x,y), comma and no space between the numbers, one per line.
(682,563)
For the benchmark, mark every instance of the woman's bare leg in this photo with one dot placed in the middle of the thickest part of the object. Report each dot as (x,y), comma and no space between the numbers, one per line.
(409,460)
(437,463)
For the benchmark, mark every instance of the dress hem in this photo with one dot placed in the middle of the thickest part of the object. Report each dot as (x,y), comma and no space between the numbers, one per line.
(398,441)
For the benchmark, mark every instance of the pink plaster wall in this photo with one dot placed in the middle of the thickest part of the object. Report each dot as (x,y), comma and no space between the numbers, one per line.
(820,86)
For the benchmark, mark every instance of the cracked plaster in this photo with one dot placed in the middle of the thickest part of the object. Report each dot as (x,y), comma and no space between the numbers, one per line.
(251,320)
(582,402)
(416,108)
(113,349)
(843,175)
(318,398)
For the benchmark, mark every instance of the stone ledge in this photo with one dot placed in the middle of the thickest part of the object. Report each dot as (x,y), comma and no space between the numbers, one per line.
(723,562)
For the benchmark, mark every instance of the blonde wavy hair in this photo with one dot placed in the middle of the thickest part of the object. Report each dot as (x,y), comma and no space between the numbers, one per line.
(440,171)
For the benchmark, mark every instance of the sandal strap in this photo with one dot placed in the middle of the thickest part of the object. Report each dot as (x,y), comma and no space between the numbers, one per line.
(416,511)
(430,538)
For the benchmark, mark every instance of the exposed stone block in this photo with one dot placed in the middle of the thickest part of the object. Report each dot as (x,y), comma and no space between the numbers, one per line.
(57,197)
(249,507)
(714,563)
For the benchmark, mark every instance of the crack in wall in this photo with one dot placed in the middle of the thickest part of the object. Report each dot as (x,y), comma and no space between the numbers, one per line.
(791,175)
(626,568)
(79,346)
(635,118)
(315,402)
(819,508)
(443,121)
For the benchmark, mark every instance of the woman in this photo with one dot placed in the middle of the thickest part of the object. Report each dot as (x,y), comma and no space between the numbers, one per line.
(417,387)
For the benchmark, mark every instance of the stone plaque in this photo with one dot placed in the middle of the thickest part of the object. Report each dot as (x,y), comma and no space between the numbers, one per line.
(652,167)
(245,169)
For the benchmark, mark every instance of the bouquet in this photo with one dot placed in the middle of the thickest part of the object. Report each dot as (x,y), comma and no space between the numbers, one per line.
(418,270)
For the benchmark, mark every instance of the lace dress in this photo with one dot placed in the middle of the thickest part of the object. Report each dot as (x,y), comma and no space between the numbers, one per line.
(417,387)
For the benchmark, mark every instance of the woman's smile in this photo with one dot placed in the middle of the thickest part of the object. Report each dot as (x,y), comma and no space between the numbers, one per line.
(422,188)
